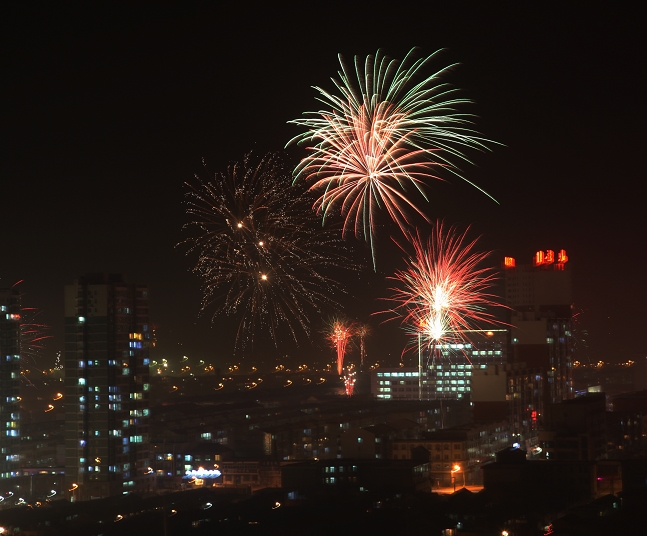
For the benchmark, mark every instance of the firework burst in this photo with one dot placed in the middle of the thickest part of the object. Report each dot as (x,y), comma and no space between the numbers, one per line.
(443,292)
(32,333)
(349,383)
(339,334)
(391,130)
(261,254)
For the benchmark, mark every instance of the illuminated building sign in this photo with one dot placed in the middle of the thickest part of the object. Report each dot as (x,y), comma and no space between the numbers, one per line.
(509,262)
(201,473)
(562,257)
(548,257)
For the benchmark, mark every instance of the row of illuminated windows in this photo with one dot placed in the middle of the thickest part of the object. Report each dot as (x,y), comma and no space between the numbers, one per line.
(340,469)
(396,374)
(460,367)
(114,389)
(451,382)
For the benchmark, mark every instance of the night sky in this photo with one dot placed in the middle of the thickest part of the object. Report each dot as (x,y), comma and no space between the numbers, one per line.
(108,111)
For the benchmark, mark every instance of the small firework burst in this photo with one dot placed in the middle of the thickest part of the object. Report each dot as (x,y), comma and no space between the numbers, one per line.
(349,382)
(262,256)
(339,334)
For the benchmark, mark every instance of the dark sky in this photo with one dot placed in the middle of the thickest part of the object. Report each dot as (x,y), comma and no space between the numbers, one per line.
(108,110)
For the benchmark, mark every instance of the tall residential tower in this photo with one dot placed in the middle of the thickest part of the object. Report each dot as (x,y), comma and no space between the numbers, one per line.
(540,299)
(9,382)
(107,336)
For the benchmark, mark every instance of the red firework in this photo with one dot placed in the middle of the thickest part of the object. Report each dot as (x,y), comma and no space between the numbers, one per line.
(444,289)
(339,335)
(349,383)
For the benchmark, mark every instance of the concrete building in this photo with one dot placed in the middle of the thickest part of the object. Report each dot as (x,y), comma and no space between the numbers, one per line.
(447,374)
(550,484)
(540,297)
(457,452)
(107,335)
(9,383)
(310,479)
(575,429)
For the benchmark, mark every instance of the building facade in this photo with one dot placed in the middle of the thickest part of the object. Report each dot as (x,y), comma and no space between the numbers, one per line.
(444,374)
(107,335)
(9,383)
(540,298)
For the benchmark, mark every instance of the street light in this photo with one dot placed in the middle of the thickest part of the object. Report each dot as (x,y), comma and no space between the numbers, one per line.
(455,469)
(73,489)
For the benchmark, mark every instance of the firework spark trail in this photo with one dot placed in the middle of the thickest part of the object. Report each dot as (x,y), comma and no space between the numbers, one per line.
(32,335)
(442,293)
(349,383)
(261,254)
(362,331)
(392,127)
(339,335)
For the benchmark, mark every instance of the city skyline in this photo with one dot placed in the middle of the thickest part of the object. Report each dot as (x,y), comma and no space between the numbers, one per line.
(111,113)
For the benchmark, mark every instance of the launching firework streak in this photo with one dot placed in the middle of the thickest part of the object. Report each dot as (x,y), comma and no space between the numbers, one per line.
(262,255)
(444,290)
(362,331)
(390,130)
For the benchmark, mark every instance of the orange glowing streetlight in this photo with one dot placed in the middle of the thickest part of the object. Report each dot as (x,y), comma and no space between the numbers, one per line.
(72,490)
(455,469)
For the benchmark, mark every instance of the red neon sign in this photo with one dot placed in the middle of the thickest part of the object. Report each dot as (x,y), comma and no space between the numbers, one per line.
(509,262)
(548,257)
(562,257)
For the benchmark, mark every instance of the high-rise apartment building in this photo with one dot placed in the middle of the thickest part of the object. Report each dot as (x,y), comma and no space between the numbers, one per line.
(107,335)
(540,299)
(445,373)
(9,382)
